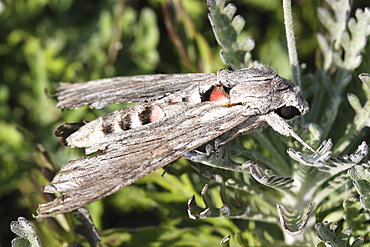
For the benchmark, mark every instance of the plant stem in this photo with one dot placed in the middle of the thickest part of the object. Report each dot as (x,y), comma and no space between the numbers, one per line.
(292,49)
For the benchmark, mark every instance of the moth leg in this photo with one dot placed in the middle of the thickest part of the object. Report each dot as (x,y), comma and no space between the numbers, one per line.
(218,157)
(252,124)
(206,172)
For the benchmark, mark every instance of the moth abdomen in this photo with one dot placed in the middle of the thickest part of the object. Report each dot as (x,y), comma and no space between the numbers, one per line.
(125,122)
(116,122)
(215,93)
(126,119)
(67,129)
(144,116)
(191,97)
(108,128)
(218,93)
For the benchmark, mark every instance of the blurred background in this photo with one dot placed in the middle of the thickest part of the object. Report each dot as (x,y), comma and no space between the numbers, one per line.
(44,42)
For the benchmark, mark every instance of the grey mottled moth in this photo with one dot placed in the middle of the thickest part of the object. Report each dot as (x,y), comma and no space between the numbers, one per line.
(174,114)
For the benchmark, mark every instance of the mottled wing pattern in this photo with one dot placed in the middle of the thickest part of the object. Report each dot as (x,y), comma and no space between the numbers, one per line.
(130,155)
(177,114)
(141,88)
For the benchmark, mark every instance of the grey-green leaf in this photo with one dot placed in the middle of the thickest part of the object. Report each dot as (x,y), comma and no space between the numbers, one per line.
(28,236)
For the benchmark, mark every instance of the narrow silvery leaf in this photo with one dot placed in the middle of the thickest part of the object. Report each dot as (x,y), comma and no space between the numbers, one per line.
(270,180)
(293,222)
(361,180)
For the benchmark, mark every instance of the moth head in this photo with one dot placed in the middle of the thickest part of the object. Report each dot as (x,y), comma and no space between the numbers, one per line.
(264,91)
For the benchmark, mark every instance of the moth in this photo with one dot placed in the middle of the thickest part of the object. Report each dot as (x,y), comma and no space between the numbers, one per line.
(175,114)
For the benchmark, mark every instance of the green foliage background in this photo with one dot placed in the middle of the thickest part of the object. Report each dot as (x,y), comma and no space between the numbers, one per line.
(44,42)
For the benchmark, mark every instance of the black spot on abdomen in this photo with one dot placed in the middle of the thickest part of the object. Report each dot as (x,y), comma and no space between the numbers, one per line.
(145,115)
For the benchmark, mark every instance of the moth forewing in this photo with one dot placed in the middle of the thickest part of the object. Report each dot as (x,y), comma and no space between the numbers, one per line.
(124,89)
(178,113)
(130,155)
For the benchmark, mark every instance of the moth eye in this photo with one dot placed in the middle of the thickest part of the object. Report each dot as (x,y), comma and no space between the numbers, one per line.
(288,112)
